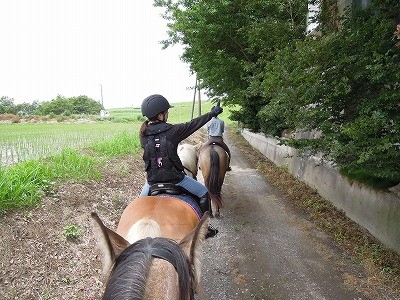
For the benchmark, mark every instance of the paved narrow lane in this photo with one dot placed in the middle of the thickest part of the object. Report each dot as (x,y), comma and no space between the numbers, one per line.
(265,250)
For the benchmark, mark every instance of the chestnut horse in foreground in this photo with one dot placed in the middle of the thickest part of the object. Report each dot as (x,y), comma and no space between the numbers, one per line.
(155,251)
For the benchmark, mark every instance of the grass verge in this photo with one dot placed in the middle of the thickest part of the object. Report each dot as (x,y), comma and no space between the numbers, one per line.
(24,185)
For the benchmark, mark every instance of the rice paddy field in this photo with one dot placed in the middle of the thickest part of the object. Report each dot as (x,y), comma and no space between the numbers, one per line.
(37,155)
(26,141)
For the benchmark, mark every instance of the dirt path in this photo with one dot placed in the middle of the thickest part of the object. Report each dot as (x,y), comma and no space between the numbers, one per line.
(265,250)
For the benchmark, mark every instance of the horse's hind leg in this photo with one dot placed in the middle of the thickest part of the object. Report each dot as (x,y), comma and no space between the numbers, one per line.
(214,210)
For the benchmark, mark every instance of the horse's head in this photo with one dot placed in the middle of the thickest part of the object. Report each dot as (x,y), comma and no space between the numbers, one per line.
(151,268)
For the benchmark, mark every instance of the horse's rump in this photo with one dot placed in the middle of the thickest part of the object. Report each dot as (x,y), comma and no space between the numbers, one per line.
(213,162)
(163,216)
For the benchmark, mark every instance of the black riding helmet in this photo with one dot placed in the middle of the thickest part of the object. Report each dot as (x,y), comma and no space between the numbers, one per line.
(153,105)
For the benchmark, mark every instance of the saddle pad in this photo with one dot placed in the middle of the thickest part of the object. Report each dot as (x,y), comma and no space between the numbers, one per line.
(189,200)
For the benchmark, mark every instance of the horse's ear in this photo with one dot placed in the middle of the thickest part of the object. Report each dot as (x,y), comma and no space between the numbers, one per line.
(110,243)
(192,245)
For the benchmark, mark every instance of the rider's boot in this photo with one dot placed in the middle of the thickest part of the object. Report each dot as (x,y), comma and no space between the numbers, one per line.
(205,205)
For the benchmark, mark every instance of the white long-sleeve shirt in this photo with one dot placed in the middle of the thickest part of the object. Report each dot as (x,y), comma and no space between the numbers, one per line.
(215,127)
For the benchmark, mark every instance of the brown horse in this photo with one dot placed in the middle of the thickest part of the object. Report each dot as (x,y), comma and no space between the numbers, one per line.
(213,162)
(152,268)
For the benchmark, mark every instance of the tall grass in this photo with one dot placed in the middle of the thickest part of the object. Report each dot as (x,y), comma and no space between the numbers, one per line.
(23,185)
(124,143)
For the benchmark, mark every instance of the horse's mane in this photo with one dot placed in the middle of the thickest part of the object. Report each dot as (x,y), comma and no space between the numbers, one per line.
(131,269)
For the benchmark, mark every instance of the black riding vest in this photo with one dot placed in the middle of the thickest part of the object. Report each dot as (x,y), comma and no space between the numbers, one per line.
(162,163)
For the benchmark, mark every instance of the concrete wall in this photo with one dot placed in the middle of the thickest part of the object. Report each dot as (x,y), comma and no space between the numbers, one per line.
(376,211)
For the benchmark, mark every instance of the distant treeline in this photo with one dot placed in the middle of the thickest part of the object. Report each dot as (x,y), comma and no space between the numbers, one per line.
(58,106)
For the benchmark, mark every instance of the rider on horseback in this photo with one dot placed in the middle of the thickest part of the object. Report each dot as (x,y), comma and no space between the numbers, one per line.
(160,141)
(215,130)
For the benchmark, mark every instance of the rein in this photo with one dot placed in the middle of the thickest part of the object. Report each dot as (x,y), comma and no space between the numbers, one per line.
(159,253)
(188,170)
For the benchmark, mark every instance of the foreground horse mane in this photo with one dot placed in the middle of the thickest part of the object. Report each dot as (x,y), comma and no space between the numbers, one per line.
(136,261)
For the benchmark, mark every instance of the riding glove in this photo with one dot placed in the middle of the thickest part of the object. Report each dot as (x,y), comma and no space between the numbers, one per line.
(216,110)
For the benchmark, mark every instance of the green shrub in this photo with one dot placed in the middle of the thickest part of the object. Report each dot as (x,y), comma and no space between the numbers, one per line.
(344,84)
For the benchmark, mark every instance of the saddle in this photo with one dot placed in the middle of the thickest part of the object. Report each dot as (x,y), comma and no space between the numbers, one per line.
(166,188)
(179,192)
(171,189)
(214,143)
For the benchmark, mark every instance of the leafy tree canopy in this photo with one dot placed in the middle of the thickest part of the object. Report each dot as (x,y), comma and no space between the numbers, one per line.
(343,83)
(225,42)
(74,105)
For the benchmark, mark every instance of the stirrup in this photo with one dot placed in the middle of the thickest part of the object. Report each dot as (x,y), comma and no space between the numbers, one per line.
(211,232)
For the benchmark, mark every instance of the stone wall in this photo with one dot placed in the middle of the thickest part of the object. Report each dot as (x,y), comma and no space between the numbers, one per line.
(376,211)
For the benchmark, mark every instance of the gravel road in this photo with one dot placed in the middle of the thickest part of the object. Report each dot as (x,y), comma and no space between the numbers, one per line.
(265,250)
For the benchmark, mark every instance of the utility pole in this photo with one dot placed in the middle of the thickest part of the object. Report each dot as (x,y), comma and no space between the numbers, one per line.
(198,89)
(194,97)
(101,92)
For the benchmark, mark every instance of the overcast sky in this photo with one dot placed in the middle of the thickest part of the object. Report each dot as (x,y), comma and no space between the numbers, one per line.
(71,47)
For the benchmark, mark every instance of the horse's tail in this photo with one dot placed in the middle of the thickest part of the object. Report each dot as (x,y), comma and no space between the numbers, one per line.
(212,182)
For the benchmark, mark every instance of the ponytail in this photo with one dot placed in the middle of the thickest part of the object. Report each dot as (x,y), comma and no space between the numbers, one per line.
(143,128)
(146,124)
